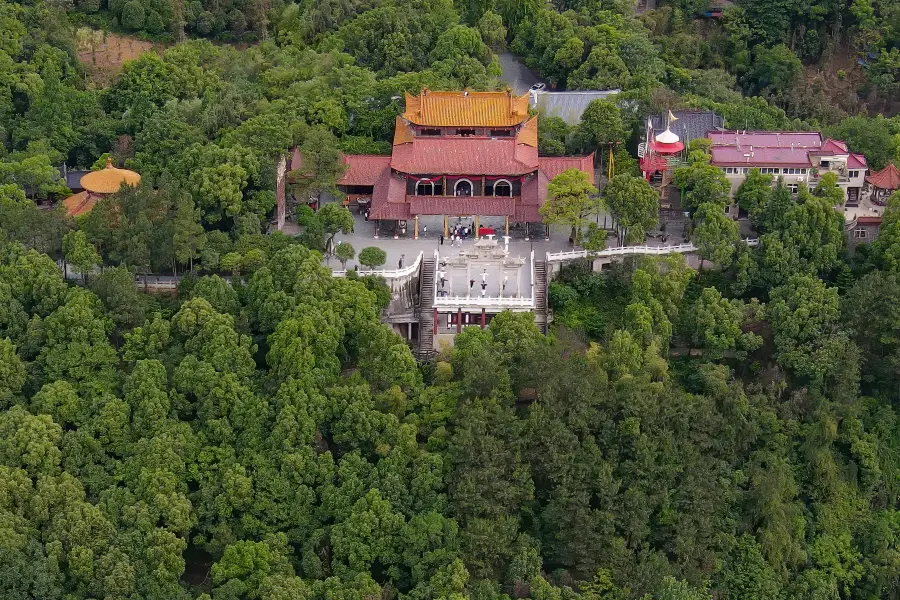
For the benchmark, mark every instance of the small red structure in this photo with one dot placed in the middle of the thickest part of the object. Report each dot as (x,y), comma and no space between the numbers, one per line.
(884,183)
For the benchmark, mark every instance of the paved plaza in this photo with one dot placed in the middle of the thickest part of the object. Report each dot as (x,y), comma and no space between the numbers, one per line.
(429,241)
(431,227)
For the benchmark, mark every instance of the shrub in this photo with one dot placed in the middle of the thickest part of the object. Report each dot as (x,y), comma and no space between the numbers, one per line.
(372,257)
(88,6)
(155,22)
(133,16)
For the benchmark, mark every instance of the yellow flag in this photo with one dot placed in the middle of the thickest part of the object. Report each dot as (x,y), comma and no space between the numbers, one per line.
(612,164)
(672,117)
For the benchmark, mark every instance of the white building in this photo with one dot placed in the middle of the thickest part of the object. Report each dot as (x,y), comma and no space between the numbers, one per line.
(800,158)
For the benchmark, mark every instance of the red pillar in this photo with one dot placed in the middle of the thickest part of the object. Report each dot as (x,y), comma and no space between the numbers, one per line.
(459,320)
(483,319)
(435,326)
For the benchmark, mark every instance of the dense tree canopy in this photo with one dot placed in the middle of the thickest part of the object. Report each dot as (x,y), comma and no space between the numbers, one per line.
(728,432)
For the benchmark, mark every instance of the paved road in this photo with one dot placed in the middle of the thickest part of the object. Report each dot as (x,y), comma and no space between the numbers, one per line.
(516,74)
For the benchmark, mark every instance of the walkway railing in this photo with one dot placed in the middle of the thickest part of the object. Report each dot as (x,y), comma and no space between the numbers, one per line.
(630,250)
(388,273)
(620,251)
(488,302)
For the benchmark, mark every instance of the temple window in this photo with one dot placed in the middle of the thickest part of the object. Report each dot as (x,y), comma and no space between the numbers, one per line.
(434,132)
(465,132)
(500,133)
(463,187)
(503,188)
(425,188)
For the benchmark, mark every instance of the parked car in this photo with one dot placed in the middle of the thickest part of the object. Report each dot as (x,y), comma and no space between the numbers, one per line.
(539,86)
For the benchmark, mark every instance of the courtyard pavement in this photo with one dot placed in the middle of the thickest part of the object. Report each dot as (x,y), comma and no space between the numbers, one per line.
(407,248)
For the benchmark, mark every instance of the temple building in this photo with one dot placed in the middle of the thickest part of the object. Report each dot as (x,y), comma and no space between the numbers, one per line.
(96,185)
(664,149)
(459,154)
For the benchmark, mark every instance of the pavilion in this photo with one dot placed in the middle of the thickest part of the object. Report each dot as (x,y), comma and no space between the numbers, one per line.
(883,183)
(459,154)
(98,184)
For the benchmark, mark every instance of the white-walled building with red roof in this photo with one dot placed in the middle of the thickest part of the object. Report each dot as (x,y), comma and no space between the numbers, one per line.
(799,157)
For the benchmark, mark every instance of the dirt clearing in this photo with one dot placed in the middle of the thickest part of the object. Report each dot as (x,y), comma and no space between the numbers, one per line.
(104,53)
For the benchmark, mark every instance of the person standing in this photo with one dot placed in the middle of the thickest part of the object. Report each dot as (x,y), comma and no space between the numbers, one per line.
(424,230)
(505,277)
(483,276)
(443,276)
(442,239)
(400,265)
(471,283)
(459,241)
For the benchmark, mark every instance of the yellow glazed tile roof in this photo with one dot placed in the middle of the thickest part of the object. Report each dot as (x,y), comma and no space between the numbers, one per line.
(109,180)
(528,135)
(402,132)
(79,204)
(476,109)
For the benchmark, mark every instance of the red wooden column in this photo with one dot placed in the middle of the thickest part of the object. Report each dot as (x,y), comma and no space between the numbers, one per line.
(459,320)
(435,326)
(483,318)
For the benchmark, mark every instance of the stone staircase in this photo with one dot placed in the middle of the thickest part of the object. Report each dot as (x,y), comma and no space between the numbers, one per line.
(540,295)
(426,310)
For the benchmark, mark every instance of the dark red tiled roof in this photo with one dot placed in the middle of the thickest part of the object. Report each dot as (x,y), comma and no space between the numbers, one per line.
(363,169)
(389,197)
(554,165)
(464,156)
(887,179)
(462,205)
(868,221)
(732,156)
(390,211)
(836,146)
(534,190)
(767,139)
(856,161)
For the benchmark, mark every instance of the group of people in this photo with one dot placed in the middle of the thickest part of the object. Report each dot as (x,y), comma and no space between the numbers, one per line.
(442,278)
(458,233)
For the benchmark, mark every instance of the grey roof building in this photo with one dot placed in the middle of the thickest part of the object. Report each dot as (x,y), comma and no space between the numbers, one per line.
(569,106)
(690,124)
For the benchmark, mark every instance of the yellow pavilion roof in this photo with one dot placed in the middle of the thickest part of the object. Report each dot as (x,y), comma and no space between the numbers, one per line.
(109,179)
(79,204)
(476,109)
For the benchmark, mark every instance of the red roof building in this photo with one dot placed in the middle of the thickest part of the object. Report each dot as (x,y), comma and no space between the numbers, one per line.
(884,183)
(799,158)
(460,154)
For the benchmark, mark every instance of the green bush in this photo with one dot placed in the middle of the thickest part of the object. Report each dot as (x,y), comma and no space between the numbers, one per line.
(205,23)
(372,257)
(237,22)
(88,6)
(155,22)
(133,16)
(116,6)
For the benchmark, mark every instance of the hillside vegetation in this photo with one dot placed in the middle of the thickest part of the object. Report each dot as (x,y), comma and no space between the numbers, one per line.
(731,433)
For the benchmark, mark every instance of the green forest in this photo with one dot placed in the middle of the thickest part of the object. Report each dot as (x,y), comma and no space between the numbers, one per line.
(727,433)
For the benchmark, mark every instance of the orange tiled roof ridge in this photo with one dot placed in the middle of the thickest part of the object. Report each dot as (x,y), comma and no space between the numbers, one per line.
(476,109)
